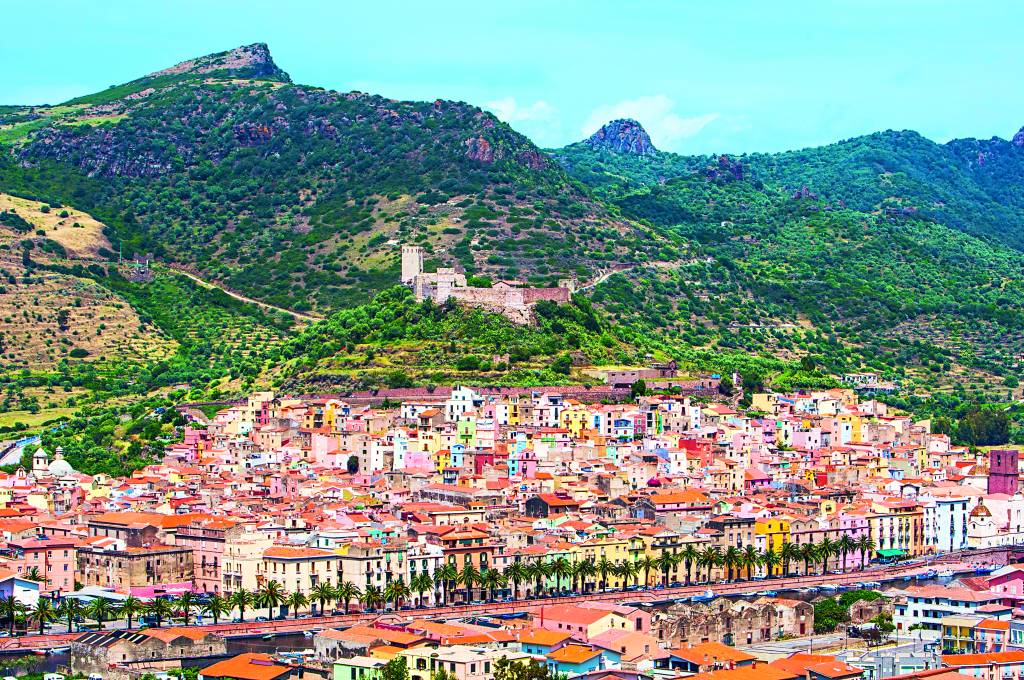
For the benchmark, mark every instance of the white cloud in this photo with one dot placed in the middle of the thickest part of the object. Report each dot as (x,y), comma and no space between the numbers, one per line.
(510,111)
(656,114)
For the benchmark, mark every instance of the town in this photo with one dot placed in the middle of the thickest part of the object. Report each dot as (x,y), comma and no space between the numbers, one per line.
(559,529)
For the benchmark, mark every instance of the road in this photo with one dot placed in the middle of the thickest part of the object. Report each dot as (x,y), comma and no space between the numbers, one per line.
(308,318)
(32,642)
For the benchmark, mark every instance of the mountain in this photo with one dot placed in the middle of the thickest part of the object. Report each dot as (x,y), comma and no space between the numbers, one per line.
(880,253)
(298,196)
(622,136)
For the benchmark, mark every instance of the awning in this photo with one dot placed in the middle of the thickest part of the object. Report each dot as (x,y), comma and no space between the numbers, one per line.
(891,552)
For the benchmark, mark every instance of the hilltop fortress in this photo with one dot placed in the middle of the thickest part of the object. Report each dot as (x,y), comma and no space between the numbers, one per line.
(511,298)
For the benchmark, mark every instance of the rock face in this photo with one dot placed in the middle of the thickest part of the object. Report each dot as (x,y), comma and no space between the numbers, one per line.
(622,136)
(1018,139)
(252,61)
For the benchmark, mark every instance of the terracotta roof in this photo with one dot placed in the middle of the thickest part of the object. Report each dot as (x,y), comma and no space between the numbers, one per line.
(982,659)
(574,654)
(249,666)
(709,652)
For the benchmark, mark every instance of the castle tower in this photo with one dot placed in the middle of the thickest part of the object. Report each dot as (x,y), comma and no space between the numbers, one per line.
(412,263)
(1003,476)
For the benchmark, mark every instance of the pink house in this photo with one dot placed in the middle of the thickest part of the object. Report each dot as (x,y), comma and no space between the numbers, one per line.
(55,560)
(1008,581)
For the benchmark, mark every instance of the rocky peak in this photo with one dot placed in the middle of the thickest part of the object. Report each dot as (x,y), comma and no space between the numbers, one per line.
(1018,139)
(622,136)
(247,61)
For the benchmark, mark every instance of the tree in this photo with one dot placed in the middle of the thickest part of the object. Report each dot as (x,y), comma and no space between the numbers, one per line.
(446,576)
(186,602)
(217,607)
(372,597)
(468,577)
(560,568)
(296,601)
(160,609)
(396,669)
(627,570)
(100,610)
(241,600)
(521,670)
(586,570)
(271,595)
(346,592)
(846,545)
(491,580)
(33,575)
(828,614)
(352,465)
(638,389)
(690,554)
(790,553)
(44,613)
(884,624)
(826,549)
(809,554)
(323,593)
(731,559)
(604,566)
(11,609)
(421,583)
(646,563)
(397,592)
(515,574)
(130,608)
(562,365)
(771,560)
(749,560)
(70,608)
(710,557)
(866,546)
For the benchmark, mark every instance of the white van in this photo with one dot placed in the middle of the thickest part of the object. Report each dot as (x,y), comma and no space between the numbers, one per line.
(95,676)
(53,676)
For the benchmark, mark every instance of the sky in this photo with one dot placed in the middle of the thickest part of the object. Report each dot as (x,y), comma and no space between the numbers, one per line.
(702,76)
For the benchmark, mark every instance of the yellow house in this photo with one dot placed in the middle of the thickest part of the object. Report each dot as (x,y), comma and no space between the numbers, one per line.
(575,419)
(775,531)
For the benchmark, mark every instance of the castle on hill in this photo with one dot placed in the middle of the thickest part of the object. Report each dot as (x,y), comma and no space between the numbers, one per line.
(513,299)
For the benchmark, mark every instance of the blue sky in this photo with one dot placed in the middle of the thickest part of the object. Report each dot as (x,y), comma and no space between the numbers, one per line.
(707,76)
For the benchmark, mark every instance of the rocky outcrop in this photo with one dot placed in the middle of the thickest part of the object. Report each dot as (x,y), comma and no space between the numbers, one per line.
(249,61)
(622,136)
(1018,139)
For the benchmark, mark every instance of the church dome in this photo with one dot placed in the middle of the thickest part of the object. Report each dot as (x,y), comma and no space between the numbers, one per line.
(59,467)
(980,511)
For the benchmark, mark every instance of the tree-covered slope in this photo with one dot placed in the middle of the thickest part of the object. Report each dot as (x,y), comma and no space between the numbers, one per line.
(298,195)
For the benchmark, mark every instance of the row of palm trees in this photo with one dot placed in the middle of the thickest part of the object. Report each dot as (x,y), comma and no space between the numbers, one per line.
(539,576)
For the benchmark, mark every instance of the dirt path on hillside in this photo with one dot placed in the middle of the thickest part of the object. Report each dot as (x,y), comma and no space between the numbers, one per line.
(308,318)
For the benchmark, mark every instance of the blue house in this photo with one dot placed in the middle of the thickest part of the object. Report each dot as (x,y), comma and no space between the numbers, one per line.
(573,659)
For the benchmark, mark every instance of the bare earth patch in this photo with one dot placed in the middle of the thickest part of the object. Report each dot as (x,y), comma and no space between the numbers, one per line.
(81,242)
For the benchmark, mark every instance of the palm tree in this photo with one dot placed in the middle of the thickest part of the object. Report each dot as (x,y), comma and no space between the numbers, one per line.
(371,597)
(100,610)
(187,602)
(70,608)
(11,609)
(323,593)
(790,553)
(771,561)
(538,571)
(491,580)
(397,592)
(664,562)
(131,607)
(296,601)
(731,559)
(604,565)
(217,607)
(241,600)
(160,609)
(846,545)
(626,570)
(271,595)
(826,549)
(646,563)
(751,558)
(710,557)
(421,583)
(560,568)
(346,592)
(447,575)
(809,554)
(689,556)
(468,577)
(515,574)
(44,613)
(33,574)
(587,570)
(866,545)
